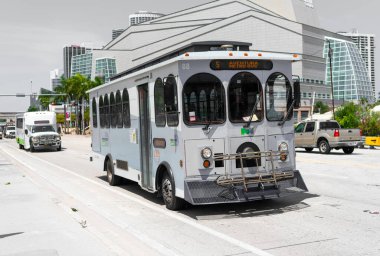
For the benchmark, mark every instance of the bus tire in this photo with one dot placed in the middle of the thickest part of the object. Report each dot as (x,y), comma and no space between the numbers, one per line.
(112,179)
(168,193)
(324,147)
(348,150)
(309,149)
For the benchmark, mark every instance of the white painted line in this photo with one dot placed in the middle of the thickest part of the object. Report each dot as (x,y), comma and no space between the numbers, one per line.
(168,213)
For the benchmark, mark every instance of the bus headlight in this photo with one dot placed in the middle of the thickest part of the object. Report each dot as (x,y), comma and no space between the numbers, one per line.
(206,153)
(35,139)
(283,147)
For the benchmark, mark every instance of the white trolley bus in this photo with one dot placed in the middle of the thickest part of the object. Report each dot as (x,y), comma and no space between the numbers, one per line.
(206,124)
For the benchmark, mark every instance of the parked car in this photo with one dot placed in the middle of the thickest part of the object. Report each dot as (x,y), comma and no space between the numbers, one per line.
(326,135)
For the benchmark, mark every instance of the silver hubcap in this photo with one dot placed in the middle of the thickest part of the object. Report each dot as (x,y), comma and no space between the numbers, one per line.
(167,191)
(323,146)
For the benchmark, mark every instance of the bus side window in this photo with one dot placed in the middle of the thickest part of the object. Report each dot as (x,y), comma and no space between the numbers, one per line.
(94,114)
(101,112)
(126,109)
(119,110)
(113,113)
(171,101)
(159,103)
(106,112)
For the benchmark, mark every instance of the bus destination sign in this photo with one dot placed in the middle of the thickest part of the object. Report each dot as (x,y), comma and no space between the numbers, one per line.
(241,65)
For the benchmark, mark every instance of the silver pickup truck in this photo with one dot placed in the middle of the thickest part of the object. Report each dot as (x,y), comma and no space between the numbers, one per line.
(326,135)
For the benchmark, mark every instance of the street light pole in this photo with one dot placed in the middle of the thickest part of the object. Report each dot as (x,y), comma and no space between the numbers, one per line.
(331,77)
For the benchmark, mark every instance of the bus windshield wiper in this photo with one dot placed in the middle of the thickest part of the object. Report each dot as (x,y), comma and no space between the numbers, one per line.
(287,114)
(247,125)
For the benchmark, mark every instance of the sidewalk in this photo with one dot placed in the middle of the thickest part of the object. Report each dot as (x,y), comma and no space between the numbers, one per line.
(32,222)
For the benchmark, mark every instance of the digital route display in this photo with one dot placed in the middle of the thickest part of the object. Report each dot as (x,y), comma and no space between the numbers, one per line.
(241,65)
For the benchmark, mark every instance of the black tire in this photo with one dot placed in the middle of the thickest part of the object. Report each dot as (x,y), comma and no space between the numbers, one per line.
(324,147)
(309,149)
(20,146)
(112,179)
(348,150)
(32,149)
(168,193)
(59,148)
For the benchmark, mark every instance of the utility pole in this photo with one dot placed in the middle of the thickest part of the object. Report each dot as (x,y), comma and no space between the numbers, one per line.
(331,77)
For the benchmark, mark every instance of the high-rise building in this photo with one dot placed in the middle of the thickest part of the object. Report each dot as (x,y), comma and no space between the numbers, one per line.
(366,45)
(105,68)
(55,79)
(143,16)
(68,53)
(350,77)
(82,64)
(117,32)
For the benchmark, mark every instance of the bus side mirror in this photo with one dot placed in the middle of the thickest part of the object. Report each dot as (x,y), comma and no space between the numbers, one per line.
(26,131)
(297,95)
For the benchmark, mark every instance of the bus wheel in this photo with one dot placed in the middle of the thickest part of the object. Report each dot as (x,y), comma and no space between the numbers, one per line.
(348,150)
(324,147)
(168,193)
(113,180)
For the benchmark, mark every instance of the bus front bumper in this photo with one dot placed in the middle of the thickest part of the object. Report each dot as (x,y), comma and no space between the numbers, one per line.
(223,190)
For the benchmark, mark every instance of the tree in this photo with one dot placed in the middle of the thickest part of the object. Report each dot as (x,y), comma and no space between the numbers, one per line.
(321,108)
(32,109)
(349,115)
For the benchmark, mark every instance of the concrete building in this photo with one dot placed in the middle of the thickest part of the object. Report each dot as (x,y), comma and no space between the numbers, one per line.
(366,45)
(68,53)
(82,64)
(143,16)
(280,26)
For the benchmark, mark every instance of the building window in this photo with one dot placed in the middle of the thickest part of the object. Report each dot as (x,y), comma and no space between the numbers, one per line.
(94,114)
(245,95)
(119,110)
(126,109)
(159,103)
(171,101)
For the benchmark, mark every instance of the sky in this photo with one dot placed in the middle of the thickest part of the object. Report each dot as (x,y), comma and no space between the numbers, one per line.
(34,32)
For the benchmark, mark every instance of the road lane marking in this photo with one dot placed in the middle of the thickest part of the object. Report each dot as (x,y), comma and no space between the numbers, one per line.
(189,222)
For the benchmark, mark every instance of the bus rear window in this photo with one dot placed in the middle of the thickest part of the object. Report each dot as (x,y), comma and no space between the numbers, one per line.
(204,100)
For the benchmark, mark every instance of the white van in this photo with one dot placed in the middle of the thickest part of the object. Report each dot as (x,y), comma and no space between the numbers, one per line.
(37,130)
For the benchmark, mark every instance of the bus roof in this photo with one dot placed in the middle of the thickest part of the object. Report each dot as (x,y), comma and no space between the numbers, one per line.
(209,55)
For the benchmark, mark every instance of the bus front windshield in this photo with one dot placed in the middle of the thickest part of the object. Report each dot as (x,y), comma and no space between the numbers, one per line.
(42,128)
(204,100)
(244,95)
(278,96)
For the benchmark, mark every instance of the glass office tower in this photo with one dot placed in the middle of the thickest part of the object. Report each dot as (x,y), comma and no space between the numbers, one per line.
(350,76)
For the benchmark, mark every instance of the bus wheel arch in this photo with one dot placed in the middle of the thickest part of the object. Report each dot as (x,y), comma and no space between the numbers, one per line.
(163,168)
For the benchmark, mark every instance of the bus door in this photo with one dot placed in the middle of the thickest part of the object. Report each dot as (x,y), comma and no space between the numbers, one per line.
(145,137)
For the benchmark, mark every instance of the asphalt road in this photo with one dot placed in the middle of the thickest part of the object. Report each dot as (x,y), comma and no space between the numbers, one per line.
(55,203)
